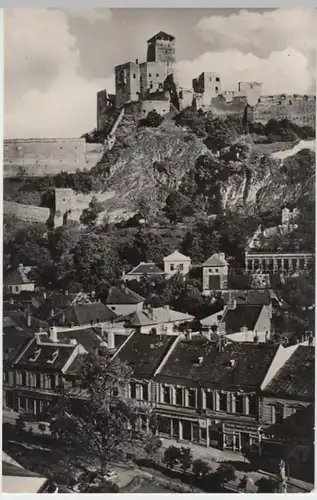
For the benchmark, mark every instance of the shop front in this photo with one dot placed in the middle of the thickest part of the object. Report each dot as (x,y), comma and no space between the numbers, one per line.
(239,437)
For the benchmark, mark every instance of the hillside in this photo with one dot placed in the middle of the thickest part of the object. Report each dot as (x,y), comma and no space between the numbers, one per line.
(195,156)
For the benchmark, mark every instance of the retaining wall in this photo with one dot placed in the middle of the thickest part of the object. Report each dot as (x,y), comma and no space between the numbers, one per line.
(298,109)
(28,213)
(40,157)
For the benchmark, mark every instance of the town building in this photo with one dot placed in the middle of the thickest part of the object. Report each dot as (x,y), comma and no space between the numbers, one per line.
(246,318)
(124,301)
(208,393)
(286,410)
(18,280)
(275,262)
(215,273)
(176,262)
(143,270)
(37,371)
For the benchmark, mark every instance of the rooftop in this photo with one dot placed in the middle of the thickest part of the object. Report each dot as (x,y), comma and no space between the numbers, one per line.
(216,260)
(46,356)
(144,353)
(157,315)
(238,365)
(89,338)
(146,268)
(176,256)
(161,35)
(254,297)
(123,296)
(18,276)
(84,314)
(297,377)
(244,315)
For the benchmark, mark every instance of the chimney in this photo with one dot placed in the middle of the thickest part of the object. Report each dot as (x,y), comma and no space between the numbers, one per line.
(44,295)
(222,256)
(137,61)
(189,334)
(167,308)
(110,340)
(73,342)
(256,338)
(52,313)
(28,318)
(11,300)
(37,337)
(63,317)
(53,334)
(66,292)
(200,360)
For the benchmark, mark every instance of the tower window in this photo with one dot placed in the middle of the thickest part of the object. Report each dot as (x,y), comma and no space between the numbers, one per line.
(216,89)
(210,79)
(157,74)
(217,79)
(134,76)
(150,75)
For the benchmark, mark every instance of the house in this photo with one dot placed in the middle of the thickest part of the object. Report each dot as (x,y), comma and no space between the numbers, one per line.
(52,303)
(38,370)
(124,301)
(286,409)
(144,269)
(162,320)
(143,354)
(208,392)
(18,280)
(277,262)
(82,315)
(17,479)
(215,273)
(176,263)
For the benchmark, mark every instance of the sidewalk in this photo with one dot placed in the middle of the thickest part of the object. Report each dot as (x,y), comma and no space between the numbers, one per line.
(214,457)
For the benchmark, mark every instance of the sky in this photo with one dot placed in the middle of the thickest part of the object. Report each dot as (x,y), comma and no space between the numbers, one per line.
(55,61)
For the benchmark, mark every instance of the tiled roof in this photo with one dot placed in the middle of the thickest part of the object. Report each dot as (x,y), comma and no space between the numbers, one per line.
(213,318)
(176,256)
(162,34)
(243,315)
(146,268)
(12,342)
(9,469)
(46,353)
(84,314)
(254,297)
(215,260)
(58,302)
(143,353)
(18,320)
(8,306)
(296,377)
(300,423)
(18,276)
(87,337)
(250,363)
(123,296)
(159,315)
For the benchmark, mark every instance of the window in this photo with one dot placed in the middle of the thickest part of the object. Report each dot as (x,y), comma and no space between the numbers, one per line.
(5,376)
(223,402)
(216,270)
(30,407)
(151,85)
(210,270)
(172,267)
(133,390)
(53,382)
(115,392)
(166,395)
(160,85)
(210,79)
(145,392)
(113,308)
(157,74)
(16,288)
(253,407)
(210,400)
(217,79)
(22,403)
(192,398)
(179,396)
(216,88)
(181,267)
(38,381)
(164,425)
(278,412)
(150,75)
(239,403)
(23,378)
(134,75)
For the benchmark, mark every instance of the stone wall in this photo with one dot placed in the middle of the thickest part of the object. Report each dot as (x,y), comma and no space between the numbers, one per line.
(28,213)
(161,107)
(298,109)
(38,157)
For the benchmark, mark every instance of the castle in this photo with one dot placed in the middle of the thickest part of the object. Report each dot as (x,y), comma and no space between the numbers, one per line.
(151,85)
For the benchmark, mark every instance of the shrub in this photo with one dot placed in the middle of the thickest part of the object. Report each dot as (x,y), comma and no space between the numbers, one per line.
(266,485)
(172,456)
(186,458)
(200,468)
(226,473)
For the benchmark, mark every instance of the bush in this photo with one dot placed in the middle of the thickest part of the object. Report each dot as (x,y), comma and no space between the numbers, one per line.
(153,120)
(200,468)
(226,473)
(266,485)
(172,456)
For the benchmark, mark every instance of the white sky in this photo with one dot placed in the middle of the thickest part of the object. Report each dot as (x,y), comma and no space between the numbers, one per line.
(57,60)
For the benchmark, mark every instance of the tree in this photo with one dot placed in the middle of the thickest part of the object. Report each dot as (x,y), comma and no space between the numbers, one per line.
(97,423)
(172,456)
(211,483)
(152,445)
(200,468)
(90,215)
(186,458)
(266,485)
(42,427)
(20,424)
(226,473)
(153,119)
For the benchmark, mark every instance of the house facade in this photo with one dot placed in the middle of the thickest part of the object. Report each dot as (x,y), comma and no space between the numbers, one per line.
(176,263)
(143,270)
(215,273)
(124,301)
(160,320)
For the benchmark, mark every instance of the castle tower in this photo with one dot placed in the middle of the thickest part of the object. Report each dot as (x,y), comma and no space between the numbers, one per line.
(208,84)
(127,82)
(64,202)
(161,49)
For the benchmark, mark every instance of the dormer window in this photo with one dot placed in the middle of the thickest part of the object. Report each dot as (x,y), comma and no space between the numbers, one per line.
(35,355)
(53,357)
